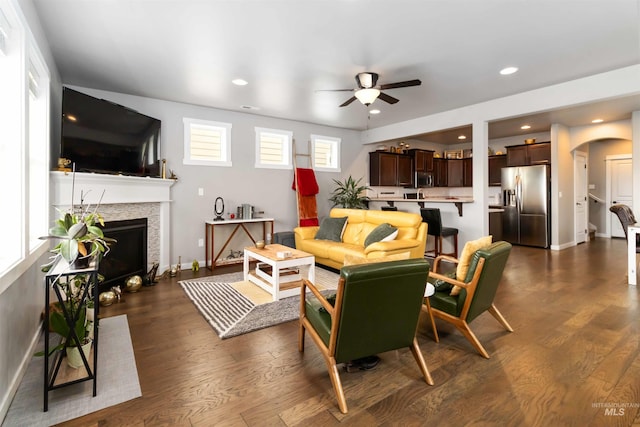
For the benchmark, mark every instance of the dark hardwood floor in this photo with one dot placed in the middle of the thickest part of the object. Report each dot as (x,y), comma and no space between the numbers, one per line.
(575,351)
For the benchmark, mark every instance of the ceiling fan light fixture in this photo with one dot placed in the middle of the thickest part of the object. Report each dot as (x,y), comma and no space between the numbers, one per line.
(367,96)
(367,80)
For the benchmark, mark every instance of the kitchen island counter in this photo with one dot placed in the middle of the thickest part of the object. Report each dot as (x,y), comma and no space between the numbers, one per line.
(457,201)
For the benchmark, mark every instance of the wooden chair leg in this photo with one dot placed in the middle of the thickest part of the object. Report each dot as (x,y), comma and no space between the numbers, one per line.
(495,313)
(427,305)
(468,333)
(301,338)
(337,384)
(417,354)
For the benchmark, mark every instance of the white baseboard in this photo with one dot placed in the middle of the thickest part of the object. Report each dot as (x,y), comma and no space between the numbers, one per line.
(563,246)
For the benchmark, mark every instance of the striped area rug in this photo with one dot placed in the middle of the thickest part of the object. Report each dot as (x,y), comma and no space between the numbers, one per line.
(220,304)
(230,313)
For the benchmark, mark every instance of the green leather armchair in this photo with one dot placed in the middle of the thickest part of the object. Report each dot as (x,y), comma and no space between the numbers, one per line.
(377,308)
(477,294)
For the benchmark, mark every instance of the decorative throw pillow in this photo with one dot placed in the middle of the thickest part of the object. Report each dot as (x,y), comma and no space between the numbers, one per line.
(465,259)
(332,229)
(357,260)
(382,233)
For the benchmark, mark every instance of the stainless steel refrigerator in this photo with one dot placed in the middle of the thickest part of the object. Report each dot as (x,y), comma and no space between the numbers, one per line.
(526,196)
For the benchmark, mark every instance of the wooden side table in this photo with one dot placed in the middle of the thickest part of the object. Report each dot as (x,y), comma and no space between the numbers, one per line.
(211,258)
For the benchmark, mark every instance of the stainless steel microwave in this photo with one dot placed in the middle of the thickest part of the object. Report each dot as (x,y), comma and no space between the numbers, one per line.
(423,179)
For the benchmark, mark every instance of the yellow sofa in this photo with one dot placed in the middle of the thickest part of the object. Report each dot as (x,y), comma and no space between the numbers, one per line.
(412,236)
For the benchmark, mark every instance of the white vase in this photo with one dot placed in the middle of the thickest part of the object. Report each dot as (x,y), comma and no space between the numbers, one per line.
(73,355)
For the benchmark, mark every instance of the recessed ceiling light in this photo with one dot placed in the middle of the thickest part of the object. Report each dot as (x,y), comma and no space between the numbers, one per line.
(597,121)
(374,111)
(462,137)
(508,70)
(525,127)
(71,118)
(239,82)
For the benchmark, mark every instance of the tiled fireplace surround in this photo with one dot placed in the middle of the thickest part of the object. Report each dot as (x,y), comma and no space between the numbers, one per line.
(125,197)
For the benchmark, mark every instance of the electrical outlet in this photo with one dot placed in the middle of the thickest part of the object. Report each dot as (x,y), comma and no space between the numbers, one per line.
(200,191)
(200,243)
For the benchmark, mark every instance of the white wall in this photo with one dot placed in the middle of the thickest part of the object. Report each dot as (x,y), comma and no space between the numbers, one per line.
(562,191)
(269,190)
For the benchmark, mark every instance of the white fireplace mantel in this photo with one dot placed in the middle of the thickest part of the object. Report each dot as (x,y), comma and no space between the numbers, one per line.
(94,188)
(117,188)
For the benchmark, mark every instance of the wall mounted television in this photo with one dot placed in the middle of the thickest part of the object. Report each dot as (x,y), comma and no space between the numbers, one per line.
(103,137)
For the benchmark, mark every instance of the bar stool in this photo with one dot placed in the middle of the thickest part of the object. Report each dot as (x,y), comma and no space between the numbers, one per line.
(432,217)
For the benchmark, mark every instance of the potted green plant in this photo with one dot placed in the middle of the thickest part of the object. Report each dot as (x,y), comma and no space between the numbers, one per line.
(79,305)
(71,311)
(349,194)
(81,239)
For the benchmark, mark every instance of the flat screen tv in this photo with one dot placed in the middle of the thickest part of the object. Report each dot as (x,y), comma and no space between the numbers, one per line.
(103,137)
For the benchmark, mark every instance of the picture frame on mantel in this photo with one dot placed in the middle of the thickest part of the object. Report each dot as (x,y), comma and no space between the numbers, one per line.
(453,154)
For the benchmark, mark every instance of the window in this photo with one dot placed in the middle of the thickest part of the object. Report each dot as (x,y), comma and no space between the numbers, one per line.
(24,146)
(38,164)
(326,153)
(207,143)
(273,148)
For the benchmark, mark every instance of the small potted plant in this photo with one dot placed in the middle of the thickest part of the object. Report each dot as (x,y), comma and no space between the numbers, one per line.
(72,310)
(349,194)
(81,239)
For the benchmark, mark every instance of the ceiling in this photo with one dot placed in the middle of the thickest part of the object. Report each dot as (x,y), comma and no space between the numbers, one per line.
(289,51)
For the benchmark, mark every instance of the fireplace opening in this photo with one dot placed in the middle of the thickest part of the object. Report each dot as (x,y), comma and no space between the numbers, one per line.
(128,256)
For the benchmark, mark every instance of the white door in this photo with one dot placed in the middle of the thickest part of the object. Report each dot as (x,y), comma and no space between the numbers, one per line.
(580,180)
(621,191)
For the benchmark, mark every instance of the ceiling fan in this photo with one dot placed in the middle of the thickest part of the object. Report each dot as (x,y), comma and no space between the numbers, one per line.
(367,91)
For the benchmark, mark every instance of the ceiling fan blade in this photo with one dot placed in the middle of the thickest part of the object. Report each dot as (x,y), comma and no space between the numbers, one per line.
(334,90)
(387,98)
(408,83)
(348,101)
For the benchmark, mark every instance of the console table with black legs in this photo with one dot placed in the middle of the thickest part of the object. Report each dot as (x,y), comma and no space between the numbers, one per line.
(57,374)
(211,258)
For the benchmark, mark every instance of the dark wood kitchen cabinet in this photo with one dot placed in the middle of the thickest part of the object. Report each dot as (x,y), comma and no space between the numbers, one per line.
(440,172)
(405,171)
(452,172)
(455,172)
(540,154)
(496,163)
(529,154)
(467,172)
(390,169)
(422,160)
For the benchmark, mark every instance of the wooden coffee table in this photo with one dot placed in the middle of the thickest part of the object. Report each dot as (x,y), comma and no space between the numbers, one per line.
(278,278)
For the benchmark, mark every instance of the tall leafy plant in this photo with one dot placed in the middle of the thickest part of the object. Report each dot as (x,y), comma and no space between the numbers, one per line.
(349,194)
